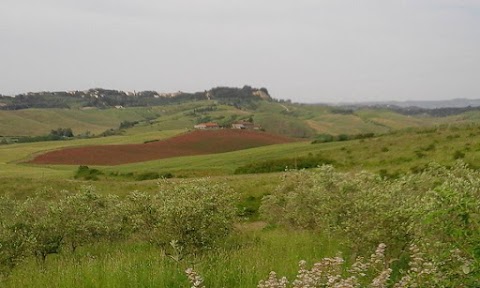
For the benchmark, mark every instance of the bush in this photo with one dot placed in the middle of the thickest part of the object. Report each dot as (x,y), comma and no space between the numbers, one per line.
(280,165)
(323,138)
(86,173)
(438,208)
(147,176)
(87,217)
(343,137)
(197,214)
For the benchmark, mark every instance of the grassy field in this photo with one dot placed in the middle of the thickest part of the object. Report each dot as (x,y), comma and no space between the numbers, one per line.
(396,152)
(131,265)
(11,156)
(403,145)
(294,120)
(37,122)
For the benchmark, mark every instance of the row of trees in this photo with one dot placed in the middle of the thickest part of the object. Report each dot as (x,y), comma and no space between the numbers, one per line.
(195,214)
(104,98)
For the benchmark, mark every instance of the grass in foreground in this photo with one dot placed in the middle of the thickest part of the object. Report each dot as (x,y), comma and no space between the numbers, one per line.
(243,261)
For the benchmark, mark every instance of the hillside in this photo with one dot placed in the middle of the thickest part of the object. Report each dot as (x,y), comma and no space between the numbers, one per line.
(101,112)
(104,98)
(432,104)
(37,122)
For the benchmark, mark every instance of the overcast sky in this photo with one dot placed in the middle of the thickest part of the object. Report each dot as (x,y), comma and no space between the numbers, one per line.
(304,50)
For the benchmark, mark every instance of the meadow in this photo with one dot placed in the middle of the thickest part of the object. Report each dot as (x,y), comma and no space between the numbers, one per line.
(413,182)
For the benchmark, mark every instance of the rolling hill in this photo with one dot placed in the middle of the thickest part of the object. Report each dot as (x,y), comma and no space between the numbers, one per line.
(153,111)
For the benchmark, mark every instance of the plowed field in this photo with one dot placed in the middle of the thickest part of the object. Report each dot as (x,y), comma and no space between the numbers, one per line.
(193,143)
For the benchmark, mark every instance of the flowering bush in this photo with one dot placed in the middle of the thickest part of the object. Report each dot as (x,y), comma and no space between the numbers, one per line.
(374,272)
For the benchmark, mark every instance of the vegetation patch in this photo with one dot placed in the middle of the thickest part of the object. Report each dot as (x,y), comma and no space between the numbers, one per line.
(324,138)
(438,209)
(86,173)
(278,165)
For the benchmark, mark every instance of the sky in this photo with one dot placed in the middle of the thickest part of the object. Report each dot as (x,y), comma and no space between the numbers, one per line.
(304,50)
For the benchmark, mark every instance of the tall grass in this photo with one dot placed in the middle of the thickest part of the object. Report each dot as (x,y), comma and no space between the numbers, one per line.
(242,261)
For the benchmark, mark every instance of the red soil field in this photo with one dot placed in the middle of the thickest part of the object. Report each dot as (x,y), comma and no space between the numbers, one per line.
(193,143)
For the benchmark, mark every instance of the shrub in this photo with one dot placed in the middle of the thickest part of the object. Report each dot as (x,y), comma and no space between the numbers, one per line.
(86,173)
(15,241)
(438,208)
(322,138)
(343,137)
(147,176)
(197,214)
(87,217)
(279,165)
(40,221)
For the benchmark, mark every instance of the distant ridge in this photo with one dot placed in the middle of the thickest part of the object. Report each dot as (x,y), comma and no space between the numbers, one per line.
(105,98)
(424,104)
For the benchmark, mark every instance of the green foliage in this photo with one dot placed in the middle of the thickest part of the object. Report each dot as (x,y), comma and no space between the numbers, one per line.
(15,241)
(364,273)
(152,175)
(439,209)
(62,132)
(104,98)
(195,214)
(128,124)
(279,165)
(55,135)
(86,173)
(87,217)
(323,138)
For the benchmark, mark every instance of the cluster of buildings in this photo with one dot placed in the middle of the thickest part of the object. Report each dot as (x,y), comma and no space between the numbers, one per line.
(241,125)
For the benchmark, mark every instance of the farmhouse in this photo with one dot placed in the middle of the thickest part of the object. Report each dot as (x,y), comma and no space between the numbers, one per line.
(244,125)
(207,126)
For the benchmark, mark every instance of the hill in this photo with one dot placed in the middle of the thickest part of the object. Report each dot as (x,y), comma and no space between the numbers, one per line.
(432,104)
(101,112)
(104,98)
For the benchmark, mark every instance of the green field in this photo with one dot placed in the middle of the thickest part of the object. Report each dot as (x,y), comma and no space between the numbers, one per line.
(280,218)
(400,151)
(303,121)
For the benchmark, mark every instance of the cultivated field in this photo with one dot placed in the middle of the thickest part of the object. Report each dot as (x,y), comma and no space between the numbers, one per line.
(188,144)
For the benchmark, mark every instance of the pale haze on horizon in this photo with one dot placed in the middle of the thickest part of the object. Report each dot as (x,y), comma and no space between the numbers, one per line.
(304,50)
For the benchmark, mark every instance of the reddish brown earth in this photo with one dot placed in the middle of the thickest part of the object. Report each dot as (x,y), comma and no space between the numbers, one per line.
(193,143)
